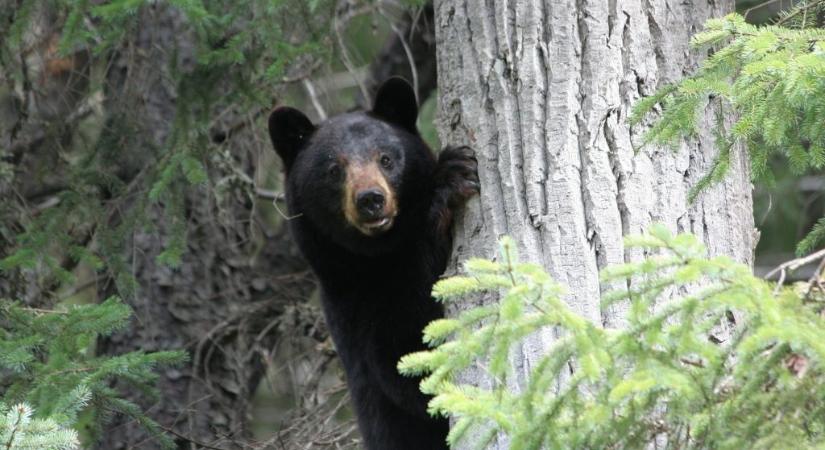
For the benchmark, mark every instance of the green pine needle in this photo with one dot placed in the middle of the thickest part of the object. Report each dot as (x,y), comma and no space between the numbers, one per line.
(659,380)
(768,80)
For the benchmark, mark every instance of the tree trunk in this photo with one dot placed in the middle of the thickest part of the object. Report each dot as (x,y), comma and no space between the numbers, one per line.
(543,90)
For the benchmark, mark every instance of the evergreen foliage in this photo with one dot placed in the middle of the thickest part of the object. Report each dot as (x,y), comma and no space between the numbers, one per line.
(47,360)
(243,48)
(805,14)
(767,84)
(19,431)
(659,380)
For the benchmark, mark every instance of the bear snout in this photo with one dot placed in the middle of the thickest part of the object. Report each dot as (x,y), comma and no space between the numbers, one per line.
(370,204)
(369,201)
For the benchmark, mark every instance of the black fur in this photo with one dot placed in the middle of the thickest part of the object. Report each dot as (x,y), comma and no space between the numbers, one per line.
(376,289)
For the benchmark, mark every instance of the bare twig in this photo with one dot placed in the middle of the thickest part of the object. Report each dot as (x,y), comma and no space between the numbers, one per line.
(44,311)
(816,278)
(283,214)
(792,265)
(416,41)
(797,263)
(78,288)
(342,16)
(269,195)
(407,51)
(759,6)
(313,97)
(189,439)
(803,9)
(303,74)
(311,427)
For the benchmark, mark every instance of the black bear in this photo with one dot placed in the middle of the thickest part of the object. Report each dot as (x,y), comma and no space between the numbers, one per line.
(371,210)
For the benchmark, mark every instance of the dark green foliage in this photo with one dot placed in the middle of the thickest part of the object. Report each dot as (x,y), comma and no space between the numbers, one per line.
(816,236)
(242,50)
(659,379)
(767,84)
(48,232)
(47,361)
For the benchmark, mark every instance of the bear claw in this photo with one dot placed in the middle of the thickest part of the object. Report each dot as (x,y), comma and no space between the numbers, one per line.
(458,174)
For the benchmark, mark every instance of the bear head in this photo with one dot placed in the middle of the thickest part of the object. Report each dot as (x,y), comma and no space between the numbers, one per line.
(358,178)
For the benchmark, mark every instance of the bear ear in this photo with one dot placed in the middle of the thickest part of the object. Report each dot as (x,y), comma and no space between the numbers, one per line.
(289,129)
(395,102)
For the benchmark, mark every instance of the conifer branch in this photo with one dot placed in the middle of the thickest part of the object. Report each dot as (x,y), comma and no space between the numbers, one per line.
(661,379)
(766,83)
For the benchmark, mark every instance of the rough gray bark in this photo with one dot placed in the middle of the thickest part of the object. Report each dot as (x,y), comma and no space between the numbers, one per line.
(542,89)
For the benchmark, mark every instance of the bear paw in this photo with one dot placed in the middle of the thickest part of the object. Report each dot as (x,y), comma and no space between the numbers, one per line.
(457,175)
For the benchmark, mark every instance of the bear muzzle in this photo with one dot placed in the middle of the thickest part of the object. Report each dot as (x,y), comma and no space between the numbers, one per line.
(373,216)
(369,203)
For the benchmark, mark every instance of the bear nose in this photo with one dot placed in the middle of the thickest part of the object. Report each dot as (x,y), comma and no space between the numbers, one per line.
(370,203)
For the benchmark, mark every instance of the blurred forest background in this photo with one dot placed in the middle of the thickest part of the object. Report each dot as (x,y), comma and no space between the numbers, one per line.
(786,210)
(135,163)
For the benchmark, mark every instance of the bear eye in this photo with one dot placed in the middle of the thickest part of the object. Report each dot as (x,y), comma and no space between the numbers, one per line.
(386,162)
(334,171)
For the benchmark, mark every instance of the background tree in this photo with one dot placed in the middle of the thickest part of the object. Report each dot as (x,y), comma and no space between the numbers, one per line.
(543,92)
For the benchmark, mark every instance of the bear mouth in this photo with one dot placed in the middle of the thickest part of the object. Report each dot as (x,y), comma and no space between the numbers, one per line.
(373,227)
